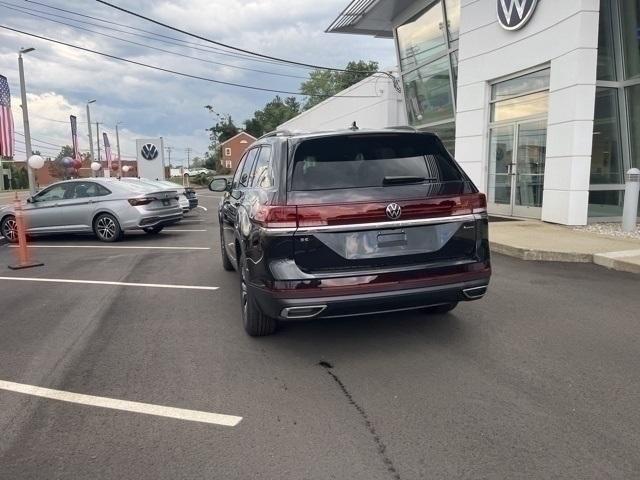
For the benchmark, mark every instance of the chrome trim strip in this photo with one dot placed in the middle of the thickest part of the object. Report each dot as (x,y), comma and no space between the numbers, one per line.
(373,226)
(287,312)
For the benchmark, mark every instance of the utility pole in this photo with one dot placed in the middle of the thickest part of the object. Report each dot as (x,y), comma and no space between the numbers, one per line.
(25,119)
(98,134)
(188,165)
(93,158)
(118,148)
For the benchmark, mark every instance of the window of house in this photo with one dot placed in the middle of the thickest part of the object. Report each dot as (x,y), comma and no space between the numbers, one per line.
(227,152)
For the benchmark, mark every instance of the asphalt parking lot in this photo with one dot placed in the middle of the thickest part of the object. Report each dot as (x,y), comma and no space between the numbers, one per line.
(539,380)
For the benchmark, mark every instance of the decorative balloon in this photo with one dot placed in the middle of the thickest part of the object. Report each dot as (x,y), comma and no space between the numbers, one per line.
(77,163)
(36,162)
(126,168)
(67,162)
(71,171)
(95,166)
(114,167)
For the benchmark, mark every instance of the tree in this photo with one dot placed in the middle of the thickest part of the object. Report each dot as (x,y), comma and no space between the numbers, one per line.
(223,130)
(323,84)
(274,113)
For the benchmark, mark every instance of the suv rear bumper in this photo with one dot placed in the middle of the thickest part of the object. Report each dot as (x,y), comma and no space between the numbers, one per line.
(368,303)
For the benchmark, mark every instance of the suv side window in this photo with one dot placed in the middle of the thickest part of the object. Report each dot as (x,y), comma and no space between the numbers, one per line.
(236,177)
(262,176)
(248,165)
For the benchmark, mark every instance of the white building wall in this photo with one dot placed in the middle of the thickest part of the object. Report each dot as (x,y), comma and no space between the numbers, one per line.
(562,34)
(371,103)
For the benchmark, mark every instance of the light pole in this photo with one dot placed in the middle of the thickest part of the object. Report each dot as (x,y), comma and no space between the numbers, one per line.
(93,159)
(25,119)
(98,137)
(118,148)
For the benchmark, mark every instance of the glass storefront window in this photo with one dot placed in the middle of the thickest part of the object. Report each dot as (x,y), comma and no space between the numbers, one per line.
(630,18)
(633,102)
(447,133)
(520,107)
(606,203)
(606,56)
(421,38)
(606,159)
(453,18)
(427,92)
(517,86)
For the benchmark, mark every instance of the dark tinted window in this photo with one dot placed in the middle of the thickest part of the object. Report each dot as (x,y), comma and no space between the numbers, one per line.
(248,165)
(262,176)
(360,161)
(236,177)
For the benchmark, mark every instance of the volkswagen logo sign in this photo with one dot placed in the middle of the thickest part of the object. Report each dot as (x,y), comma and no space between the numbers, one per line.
(149,151)
(514,14)
(394,212)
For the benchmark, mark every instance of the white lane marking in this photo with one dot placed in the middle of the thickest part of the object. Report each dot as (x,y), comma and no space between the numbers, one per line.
(203,208)
(181,230)
(115,247)
(100,282)
(124,405)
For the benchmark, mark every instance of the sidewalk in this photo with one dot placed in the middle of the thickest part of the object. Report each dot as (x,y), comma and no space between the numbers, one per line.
(534,240)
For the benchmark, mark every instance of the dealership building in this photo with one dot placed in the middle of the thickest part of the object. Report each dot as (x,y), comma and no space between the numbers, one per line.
(539,100)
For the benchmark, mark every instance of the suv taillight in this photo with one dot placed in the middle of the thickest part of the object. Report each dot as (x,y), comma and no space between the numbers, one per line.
(471,203)
(137,202)
(276,217)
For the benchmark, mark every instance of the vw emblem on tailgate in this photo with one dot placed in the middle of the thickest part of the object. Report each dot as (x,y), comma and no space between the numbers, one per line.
(394,212)
(514,14)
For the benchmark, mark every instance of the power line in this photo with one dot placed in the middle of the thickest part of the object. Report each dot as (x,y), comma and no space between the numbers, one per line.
(215,42)
(25,11)
(209,49)
(182,74)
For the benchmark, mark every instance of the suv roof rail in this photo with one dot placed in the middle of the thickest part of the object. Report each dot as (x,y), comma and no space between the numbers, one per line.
(277,133)
(403,127)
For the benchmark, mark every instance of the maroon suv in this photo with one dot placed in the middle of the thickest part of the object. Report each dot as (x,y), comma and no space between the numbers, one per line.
(338,224)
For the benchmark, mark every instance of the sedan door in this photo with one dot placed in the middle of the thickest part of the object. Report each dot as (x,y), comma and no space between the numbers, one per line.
(45,210)
(82,203)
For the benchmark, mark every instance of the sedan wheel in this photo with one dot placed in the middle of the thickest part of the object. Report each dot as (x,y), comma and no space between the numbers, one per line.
(106,228)
(9,229)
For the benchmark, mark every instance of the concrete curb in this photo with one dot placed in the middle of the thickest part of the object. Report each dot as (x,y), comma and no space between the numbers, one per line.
(540,255)
(617,261)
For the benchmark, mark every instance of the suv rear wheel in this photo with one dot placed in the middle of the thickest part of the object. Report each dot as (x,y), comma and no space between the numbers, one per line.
(255,323)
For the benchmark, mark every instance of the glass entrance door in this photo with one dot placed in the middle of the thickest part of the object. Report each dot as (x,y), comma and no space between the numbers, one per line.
(516,168)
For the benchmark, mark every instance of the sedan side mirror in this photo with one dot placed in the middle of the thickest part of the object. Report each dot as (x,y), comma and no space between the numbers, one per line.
(219,185)
(29,199)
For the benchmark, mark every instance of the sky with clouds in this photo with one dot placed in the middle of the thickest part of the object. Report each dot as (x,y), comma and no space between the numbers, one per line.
(150,103)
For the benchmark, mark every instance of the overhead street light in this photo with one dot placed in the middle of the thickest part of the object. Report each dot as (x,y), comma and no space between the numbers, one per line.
(25,119)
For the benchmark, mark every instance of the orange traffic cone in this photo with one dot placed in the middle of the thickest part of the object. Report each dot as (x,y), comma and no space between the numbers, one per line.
(24,260)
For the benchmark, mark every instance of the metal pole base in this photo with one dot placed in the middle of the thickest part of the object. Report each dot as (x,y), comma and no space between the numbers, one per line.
(22,266)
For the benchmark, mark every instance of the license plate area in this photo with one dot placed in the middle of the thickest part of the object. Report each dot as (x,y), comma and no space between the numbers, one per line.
(166,202)
(388,240)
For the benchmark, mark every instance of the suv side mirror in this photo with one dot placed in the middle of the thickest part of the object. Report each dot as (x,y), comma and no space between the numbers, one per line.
(219,185)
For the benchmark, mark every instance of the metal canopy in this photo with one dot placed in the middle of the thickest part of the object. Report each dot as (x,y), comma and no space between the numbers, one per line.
(369,17)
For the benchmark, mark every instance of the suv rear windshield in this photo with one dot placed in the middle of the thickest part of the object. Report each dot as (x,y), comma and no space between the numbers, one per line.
(360,161)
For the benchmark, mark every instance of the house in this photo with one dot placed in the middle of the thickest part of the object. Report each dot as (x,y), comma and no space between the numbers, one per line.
(232,150)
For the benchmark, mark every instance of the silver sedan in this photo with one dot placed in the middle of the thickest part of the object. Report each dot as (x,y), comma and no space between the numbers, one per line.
(106,207)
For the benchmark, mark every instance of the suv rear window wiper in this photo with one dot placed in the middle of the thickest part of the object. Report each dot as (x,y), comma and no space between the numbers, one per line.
(406,180)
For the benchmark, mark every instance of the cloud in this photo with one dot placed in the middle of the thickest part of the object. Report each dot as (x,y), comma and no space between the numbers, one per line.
(151,103)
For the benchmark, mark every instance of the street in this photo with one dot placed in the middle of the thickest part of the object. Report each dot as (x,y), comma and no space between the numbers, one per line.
(538,380)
